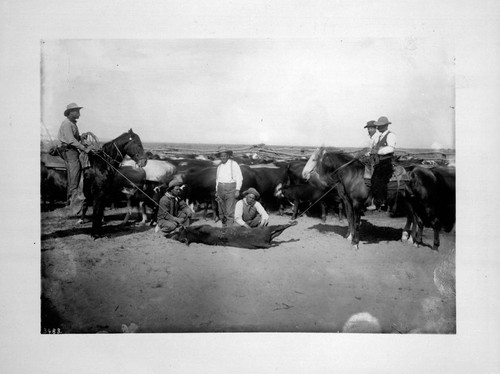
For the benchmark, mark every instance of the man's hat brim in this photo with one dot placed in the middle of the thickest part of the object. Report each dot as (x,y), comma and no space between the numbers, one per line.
(71,109)
(252,191)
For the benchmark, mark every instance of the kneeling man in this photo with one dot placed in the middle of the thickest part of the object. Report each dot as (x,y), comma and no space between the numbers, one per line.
(249,212)
(173,212)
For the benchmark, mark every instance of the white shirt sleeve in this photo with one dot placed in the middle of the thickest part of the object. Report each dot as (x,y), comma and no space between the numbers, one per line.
(238,213)
(261,210)
(237,175)
(217,177)
(391,145)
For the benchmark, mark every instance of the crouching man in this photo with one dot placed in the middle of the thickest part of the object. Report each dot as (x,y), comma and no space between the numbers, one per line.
(173,212)
(249,212)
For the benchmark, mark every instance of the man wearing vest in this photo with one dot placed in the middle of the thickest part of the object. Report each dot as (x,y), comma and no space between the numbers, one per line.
(227,185)
(249,212)
(382,171)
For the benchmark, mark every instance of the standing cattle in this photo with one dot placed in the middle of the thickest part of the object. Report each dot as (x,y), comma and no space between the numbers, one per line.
(297,190)
(200,184)
(53,186)
(431,194)
(156,173)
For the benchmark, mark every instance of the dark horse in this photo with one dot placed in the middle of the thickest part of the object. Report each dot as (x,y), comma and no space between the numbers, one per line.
(346,173)
(98,178)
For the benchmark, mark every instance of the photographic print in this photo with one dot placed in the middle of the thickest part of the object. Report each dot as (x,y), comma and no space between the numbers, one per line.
(248,185)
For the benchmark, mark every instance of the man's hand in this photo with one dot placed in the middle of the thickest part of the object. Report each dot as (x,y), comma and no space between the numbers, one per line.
(264,221)
(237,193)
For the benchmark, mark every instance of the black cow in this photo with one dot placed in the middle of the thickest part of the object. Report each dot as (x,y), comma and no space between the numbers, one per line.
(295,189)
(431,194)
(200,184)
(235,236)
(266,179)
(53,185)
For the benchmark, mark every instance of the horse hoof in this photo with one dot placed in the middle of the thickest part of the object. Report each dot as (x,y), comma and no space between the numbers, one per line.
(404,237)
(355,247)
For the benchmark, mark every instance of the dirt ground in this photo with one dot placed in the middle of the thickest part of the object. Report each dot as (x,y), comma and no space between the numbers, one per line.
(135,280)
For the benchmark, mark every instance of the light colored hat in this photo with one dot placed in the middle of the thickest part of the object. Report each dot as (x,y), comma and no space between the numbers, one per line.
(174,183)
(71,107)
(223,149)
(370,124)
(382,121)
(252,191)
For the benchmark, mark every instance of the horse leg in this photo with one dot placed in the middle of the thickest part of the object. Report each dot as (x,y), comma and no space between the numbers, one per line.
(97,216)
(83,212)
(295,209)
(357,223)
(405,236)
(215,210)
(349,217)
(142,208)
(436,225)
(323,211)
(341,211)
(129,211)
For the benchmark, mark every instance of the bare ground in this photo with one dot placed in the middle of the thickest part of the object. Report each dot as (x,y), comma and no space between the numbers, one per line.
(135,280)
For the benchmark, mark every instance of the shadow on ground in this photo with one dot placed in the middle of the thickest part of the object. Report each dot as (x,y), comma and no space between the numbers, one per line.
(368,233)
(108,231)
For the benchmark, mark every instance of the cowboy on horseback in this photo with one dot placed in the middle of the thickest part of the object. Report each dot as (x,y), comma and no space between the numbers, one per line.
(72,149)
(382,154)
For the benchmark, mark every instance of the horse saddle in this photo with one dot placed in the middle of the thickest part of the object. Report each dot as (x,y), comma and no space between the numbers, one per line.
(399,173)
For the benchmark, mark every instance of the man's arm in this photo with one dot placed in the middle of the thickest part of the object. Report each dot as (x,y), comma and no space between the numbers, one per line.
(263,213)
(238,176)
(391,145)
(69,138)
(238,214)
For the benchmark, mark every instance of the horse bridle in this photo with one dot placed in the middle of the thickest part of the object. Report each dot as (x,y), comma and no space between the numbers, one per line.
(136,156)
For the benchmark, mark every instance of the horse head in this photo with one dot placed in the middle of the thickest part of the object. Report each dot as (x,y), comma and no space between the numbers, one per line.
(132,146)
(313,170)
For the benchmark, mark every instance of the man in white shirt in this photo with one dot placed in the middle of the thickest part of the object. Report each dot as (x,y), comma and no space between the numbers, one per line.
(373,134)
(249,212)
(227,185)
(382,171)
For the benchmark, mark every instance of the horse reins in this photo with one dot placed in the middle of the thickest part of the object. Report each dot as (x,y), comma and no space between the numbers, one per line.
(331,188)
(119,172)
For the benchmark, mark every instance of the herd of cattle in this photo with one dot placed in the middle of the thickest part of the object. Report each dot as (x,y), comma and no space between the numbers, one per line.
(280,184)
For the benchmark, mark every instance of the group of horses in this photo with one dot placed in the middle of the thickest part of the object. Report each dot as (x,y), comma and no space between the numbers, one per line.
(334,170)
(427,197)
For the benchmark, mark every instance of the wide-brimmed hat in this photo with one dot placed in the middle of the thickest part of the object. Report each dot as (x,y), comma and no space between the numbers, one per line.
(370,124)
(252,191)
(223,149)
(71,107)
(382,121)
(174,183)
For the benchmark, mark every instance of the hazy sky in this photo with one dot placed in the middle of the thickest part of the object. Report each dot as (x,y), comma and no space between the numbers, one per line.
(248,91)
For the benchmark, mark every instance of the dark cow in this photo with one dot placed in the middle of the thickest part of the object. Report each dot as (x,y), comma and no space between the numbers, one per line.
(53,185)
(307,193)
(200,184)
(235,236)
(431,194)
(295,189)
(266,178)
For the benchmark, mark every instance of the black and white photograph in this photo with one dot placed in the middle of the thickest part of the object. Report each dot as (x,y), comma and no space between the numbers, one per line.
(303,182)
(248,185)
